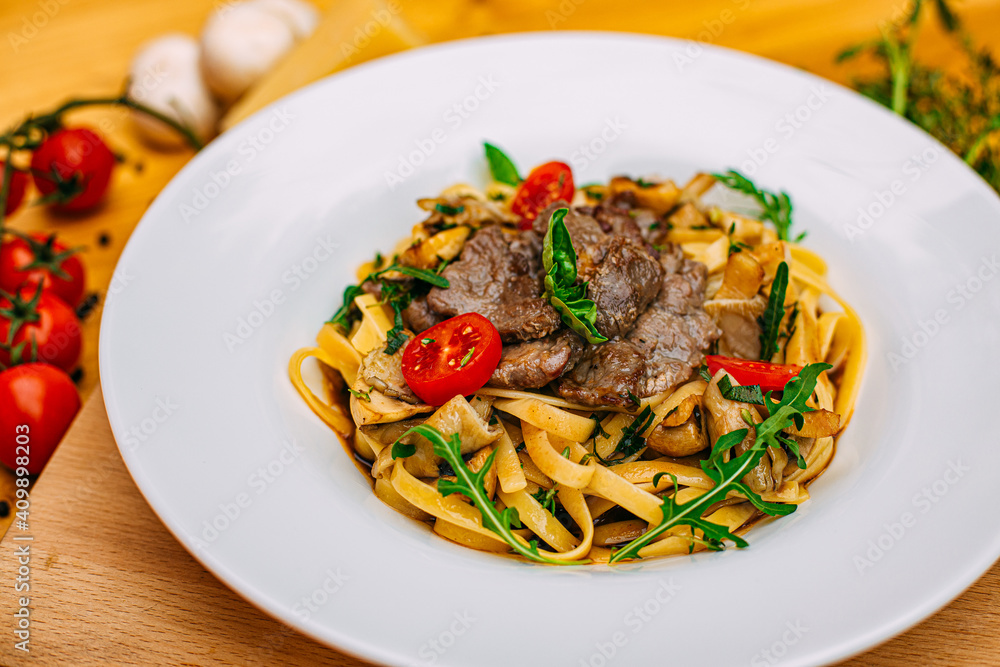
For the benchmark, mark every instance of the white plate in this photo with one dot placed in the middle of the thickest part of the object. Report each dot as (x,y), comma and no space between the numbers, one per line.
(899,525)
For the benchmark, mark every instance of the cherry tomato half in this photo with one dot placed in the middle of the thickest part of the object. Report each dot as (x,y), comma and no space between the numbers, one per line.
(18,185)
(47,325)
(39,402)
(453,358)
(73,165)
(545,185)
(48,258)
(770,377)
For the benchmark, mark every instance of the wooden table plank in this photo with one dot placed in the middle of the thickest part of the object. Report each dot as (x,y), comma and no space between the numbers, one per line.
(110,584)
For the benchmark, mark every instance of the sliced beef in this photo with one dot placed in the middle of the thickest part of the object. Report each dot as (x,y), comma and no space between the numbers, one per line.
(384,372)
(606,375)
(674,332)
(623,285)
(499,280)
(536,363)
(418,316)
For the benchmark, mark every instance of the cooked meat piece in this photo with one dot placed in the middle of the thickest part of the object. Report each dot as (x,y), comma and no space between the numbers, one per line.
(674,332)
(500,283)
(605,375)
(418,316)
(618,222)
(384,372)
(623,285)
(536,363)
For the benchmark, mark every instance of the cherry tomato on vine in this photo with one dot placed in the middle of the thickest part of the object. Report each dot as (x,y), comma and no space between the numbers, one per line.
(41,259)
(545,185)
(43,323)
(770,377)
(18,186)
(39,402)
(453,358)
(72,168)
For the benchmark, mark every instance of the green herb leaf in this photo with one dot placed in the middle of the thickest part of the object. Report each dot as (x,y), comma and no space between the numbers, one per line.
(728,475)
(347,313)
(444,209)
(467,357)
(501,167)
(770,321)
(401,451)
(361,395)
(774,207)
(427,341)
(471,485)
(559,260)
(429,277)
(750,393)
(547,498)
(396,337)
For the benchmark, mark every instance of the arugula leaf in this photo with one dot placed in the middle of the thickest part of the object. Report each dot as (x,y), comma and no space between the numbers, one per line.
(501,167)
(471,485)
(750,393)
(775,207)
(401,451)
(728,475)
(770,321)
(559,260)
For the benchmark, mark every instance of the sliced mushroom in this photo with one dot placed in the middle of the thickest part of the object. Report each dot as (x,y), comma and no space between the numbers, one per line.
(430,252)
(684,440)
(737,318)
(377,408)
(384,372)
(658,197)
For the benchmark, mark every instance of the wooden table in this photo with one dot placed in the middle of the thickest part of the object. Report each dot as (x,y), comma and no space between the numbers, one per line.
(109,584)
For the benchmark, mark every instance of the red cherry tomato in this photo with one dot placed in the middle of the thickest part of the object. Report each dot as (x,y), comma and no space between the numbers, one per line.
(74,166)
(47,325)
(770,377)
(39,402)
(453,358)
(18,185)
(48,258)
(545,184)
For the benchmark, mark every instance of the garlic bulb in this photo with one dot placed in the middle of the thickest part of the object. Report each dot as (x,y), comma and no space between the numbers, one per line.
(241,42)
(165,76)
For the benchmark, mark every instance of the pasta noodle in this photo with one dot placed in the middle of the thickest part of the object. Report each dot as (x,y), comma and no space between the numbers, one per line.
(560,467)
